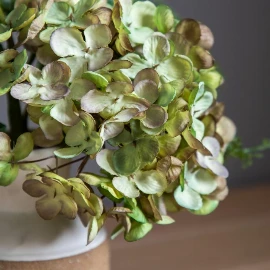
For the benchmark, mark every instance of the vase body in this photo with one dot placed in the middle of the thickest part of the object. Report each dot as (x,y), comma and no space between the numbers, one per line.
(28,240)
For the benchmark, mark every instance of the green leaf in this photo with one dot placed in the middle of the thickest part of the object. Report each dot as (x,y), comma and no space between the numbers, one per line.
(164,19)
(24,146)
(138,231)
(126,160)
(150,182)
(245,154)
(126,186)
(188,198)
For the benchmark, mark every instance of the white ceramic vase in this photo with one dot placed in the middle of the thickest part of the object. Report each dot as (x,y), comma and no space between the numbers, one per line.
(24,236)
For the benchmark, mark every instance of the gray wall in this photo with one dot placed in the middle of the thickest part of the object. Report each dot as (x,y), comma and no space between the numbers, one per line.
(241,50)
(241,29)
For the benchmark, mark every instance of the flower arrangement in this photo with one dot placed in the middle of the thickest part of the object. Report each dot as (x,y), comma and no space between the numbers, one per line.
(122,83)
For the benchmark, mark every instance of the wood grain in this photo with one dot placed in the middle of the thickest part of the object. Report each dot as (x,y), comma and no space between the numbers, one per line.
(235,237)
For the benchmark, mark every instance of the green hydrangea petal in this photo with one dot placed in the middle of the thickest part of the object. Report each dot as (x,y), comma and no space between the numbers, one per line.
(164,19)
(95,101)
(138,231)
(150,182)
(97,36)
(126,186)
(142,14)
(72,43)
(126,160)
(175,68)
(208,207)
(155,49)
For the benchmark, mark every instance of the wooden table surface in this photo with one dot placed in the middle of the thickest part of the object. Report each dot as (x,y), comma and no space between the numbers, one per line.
(235,237)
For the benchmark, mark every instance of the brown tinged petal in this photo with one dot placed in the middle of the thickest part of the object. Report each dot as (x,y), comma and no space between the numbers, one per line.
(226,129)
(147,74)
(41,141)
(190,30)
(171,167)
(207,37)
(104,14)
(221,191)
(201,58)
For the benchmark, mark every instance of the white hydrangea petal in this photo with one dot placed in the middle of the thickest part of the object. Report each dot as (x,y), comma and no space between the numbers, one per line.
(200,159)
(202,181)
(188,198)
(212,145)
(216,167)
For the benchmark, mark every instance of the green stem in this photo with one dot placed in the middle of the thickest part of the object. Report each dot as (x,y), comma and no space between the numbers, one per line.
(66,164)
(33,161)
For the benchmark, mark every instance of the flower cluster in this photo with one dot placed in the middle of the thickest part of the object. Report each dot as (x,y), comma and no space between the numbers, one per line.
(125,84)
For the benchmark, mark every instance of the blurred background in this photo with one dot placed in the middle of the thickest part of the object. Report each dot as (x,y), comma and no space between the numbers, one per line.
(237,235)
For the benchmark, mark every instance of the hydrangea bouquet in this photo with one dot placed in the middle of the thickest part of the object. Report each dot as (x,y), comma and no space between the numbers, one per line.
(125,84)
